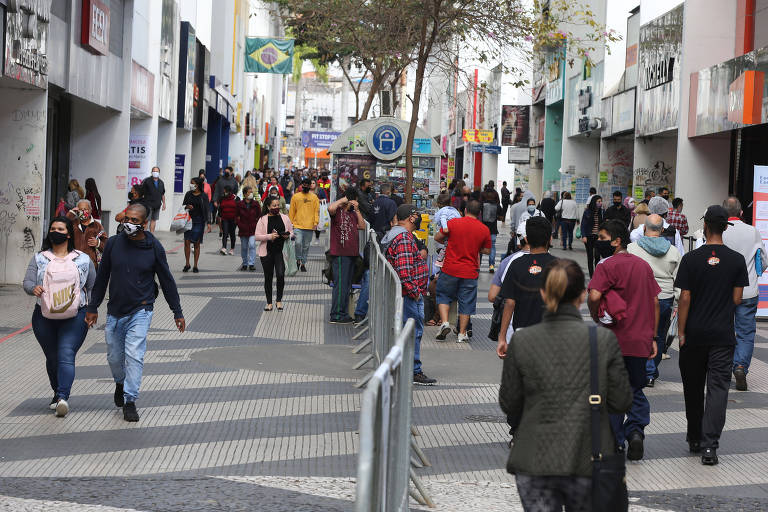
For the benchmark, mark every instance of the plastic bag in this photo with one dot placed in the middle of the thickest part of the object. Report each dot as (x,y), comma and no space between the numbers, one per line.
(325,218)
(289,256)
(181,221)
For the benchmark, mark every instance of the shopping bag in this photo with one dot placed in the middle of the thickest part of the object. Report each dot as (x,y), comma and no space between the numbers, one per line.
(289,255)
(325,218)
(181,221)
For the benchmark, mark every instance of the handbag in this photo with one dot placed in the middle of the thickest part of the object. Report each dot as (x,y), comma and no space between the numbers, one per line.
(181,221)
(609,474)
(498,312)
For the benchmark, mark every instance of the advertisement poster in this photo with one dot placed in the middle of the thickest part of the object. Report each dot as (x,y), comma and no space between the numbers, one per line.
(138,159)
(760,221)
(348,170)
(514,125)
(178,175)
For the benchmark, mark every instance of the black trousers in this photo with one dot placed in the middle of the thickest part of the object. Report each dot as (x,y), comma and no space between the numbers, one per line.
(592,256)
(710,365)
(227,229)
(274,266)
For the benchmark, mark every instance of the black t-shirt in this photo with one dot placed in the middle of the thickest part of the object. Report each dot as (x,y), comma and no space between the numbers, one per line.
(522,284)
(711,272)
(275,223)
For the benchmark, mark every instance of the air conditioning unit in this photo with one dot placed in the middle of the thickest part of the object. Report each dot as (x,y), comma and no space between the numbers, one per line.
(596,124)
(387,102)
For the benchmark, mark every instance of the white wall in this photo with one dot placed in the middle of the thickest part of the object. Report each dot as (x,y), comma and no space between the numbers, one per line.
(652,9)
(703,165)
(657,153)
(22,165)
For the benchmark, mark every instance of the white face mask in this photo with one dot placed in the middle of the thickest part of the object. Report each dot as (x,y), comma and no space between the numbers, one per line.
(155,174)
(131,229)
(192,187)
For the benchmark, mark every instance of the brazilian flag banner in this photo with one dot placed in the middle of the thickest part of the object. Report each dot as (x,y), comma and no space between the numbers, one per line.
(265,55)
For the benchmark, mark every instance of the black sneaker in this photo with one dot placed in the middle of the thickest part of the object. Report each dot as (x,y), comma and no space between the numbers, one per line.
(129,412)
(303,268)
(423,380)
(119,399)
(252,268)
(635,450)
(359,318)
(741,378)
(694,446)
(650,382)
(347,320)
(709,457)
(244,267)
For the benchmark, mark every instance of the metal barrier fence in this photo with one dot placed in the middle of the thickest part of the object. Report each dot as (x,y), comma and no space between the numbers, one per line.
(383,467)
(385,308)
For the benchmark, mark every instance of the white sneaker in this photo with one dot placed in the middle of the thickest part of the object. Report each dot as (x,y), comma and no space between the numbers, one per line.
(223,251)
(463,338)
(62,408)
(445,329)
(231,252)
(665,356)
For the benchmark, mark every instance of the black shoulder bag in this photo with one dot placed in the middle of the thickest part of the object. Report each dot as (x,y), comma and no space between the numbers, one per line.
(609,475)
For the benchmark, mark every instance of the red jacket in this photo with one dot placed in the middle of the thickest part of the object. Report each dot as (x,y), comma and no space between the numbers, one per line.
(228,207)
(247,216)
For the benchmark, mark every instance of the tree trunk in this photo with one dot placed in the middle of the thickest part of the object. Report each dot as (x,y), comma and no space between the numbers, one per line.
(375,86)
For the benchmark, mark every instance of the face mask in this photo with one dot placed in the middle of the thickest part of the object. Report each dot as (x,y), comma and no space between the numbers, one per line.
(155,174)
(274,211)
(604,248)
(56,238)
(305,188)
(131,229)
(192,187)
(532,209)
(84,215)
(249,196)
(417,223)
(617,203)
(130,196)
(227,174)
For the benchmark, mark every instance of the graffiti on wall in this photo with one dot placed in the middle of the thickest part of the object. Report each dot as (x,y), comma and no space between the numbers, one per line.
(660,174)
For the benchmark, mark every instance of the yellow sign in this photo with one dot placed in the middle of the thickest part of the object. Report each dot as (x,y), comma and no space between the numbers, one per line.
(469,136)
(485,136)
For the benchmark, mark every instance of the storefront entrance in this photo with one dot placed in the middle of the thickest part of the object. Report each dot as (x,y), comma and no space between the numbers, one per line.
(748,148)
(57,149)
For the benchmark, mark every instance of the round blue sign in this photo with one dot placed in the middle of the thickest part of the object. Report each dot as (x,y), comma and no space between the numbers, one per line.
(387,140)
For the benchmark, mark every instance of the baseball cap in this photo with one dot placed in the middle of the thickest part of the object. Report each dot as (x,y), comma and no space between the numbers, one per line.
(716,214)
(658,205)
(405,210)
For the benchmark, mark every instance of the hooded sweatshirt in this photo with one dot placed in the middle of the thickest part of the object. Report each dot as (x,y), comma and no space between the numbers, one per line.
(664,259)
(517,210)
(390,235)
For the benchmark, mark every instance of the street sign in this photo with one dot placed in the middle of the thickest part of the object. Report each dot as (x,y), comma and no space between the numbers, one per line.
(482,148)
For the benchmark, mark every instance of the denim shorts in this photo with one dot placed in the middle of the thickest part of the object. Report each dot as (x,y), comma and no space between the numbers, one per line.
(463,290)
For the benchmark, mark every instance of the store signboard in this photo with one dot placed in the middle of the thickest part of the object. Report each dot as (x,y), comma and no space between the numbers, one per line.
(26,41)
(518,155)
(554,92)
(142,89)
(658,95)
(94,29)
(185,111)
(745,98)
(169,25)
(760,221)
(178,174)
(138,159)
(321,140)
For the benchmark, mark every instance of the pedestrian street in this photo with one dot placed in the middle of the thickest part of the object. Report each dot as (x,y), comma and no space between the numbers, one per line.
(256,410)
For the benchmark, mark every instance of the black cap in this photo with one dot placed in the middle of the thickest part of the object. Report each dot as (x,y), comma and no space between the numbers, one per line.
(405,210)
(716,214)
(306,181)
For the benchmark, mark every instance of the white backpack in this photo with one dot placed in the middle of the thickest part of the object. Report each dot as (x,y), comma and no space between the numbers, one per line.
(61,287)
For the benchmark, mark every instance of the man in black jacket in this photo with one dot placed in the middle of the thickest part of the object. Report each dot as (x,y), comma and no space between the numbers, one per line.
(617,210)
(129,265)
(154,196)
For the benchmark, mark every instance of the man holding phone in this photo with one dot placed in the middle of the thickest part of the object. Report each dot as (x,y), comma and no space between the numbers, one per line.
(345,221)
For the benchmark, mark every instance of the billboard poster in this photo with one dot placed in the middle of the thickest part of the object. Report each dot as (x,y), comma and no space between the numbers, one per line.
(138,159)
(514,125)
(348,170)
(760,221)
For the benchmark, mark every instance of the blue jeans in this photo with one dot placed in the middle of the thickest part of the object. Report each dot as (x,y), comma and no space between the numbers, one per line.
(492,256)
(640,414)
(415,309)
(303,239)
(342,268)
(665,311)
(567,226)
(126,344)
(745,326)
(362,301)
(60,341)
(248,250)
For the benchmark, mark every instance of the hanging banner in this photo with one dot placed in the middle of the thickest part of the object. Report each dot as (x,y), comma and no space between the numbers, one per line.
(138,159)
(268,55)
(178,174)
(760,221)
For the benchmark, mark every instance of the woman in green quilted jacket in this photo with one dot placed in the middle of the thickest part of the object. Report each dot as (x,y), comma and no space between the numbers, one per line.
(546,384)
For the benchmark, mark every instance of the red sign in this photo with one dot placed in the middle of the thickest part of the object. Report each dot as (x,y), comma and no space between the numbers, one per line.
(142,89)
(94,32)
(745,98)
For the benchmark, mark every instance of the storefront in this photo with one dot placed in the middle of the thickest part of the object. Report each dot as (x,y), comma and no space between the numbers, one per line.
(658,102)
(23,88)
(375,149)
(221,115)
(553,115)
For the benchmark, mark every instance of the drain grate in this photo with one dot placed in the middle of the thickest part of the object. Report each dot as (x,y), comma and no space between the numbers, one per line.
(486,418)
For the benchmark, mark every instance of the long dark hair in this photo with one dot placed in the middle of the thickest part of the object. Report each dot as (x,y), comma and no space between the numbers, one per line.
(267,202)
(90,186)
(593,203)
(70,231)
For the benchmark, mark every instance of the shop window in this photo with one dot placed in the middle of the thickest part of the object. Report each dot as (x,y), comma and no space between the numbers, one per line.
(116,9)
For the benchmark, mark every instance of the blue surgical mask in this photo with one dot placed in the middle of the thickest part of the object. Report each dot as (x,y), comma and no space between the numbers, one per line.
(532,209)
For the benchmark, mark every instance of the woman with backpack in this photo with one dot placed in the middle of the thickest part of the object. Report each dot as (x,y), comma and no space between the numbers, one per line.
(272,230)
(62,279)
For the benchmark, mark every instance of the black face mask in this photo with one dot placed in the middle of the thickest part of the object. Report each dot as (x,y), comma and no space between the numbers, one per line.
(617,203)
(56,238)
(305,188)
(604,248)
